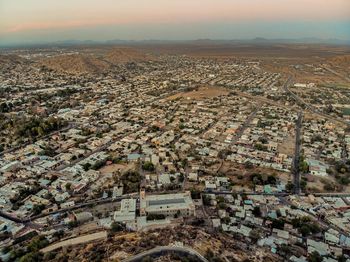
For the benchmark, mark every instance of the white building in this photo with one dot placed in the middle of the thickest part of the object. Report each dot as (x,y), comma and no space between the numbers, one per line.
(168,205)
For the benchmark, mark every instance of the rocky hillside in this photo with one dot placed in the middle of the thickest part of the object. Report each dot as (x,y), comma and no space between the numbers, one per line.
(92,63)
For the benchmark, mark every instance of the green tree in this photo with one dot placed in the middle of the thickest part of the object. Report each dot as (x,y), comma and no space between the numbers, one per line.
(68,186)
(148,166)
(315,257)
(37,208)
(257,211)
(116,227)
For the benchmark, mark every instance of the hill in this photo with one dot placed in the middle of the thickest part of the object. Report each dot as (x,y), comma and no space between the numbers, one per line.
(91,63)
(76,64)
(126,55)
(12,60)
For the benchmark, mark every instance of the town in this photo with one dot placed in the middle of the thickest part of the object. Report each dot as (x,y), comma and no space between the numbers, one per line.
(217,159)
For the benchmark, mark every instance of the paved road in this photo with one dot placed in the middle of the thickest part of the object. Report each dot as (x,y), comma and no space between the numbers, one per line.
(336,73)
(158,251)
(28,221)
(75,241)
(19,221)
(241,130)
(309,107)
(296,159)
(246,124)
(91,202)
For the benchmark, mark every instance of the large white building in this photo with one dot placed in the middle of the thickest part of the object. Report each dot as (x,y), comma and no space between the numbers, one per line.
(168,204)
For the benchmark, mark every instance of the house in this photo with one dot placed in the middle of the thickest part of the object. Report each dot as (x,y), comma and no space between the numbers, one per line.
(164,179)
(193,177)
(133,157)
(210,185)
(319,247)
(317,168)
(82,217)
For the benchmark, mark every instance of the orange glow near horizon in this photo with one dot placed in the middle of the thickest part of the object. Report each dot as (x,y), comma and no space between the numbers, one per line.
(22,16)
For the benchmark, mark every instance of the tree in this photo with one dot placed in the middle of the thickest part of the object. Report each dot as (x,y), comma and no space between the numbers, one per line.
(256,211)
(305,230)
(6,249)
(195,193)
(226,220)
(131,181)
(255,235)
(278,223)
(290,186)
(37,243)
(147,259)
(72,224)
(58,234)
(68,186)
(155,216)
(303,184)
(271,179)
(181,178)
(248,165)
(342,258)
(116,227)
(37,208)
(315,257)
(35,256)
(86,166)
(148,166)
(222,205)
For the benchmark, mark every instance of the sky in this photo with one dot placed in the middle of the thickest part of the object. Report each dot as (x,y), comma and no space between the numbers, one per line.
(58,20)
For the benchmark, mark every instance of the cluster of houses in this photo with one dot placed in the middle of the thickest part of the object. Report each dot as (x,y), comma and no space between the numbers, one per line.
(323,142)
(133,123)
(239,216)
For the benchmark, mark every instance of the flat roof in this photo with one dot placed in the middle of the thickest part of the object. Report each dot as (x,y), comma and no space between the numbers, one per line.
(166,202)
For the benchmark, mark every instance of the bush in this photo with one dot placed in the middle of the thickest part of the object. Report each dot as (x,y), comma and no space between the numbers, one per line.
(155,216)
(116,227)
(256,211)
(148,166)
(131,181)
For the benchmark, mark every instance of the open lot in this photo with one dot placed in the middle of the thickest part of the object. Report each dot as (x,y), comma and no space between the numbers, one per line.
(201,93)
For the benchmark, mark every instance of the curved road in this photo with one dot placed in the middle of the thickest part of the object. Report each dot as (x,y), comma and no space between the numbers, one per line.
(157,251)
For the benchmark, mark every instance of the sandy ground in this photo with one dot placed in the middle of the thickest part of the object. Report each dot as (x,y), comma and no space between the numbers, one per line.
(75,241)
(287,146)
(112,168)
(201,93)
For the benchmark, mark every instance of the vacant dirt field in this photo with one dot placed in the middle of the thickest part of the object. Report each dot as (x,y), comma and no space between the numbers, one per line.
(75,241)
(287,146)
(201,93)
(113,168)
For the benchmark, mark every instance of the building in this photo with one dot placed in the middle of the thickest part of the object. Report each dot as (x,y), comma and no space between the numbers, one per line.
(82,217)
(168,205)
(317,168)
(127,211)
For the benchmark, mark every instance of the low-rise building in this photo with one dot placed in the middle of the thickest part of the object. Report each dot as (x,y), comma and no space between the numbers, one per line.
(168,205)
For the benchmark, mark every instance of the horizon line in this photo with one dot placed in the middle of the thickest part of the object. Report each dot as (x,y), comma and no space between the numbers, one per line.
(310,40)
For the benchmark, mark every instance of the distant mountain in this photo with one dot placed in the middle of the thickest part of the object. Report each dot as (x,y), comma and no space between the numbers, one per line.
(257,40)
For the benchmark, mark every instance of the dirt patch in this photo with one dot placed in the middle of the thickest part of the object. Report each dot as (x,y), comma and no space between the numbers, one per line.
(201,93)
(240,176)
(287,146)
(113,168)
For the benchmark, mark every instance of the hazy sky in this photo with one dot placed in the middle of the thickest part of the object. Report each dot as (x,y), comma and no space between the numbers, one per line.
(52,20)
